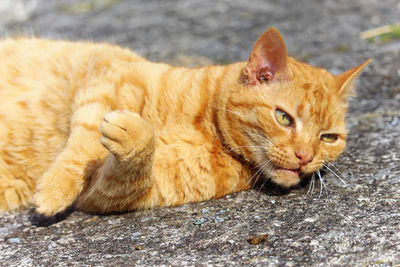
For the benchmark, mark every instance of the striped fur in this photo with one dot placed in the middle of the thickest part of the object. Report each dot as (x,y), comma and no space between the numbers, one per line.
(102,127)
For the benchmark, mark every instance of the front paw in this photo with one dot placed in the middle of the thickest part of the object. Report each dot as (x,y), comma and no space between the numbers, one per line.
(52,200)
(125,133)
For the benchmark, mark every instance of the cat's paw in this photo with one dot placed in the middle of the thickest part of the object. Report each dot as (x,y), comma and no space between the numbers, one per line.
(125,133)
(51,200)
(57,189)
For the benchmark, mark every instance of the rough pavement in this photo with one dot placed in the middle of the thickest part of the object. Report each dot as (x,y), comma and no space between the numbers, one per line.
(357,224)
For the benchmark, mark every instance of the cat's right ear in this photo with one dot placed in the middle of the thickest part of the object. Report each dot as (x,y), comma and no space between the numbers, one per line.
(268,59)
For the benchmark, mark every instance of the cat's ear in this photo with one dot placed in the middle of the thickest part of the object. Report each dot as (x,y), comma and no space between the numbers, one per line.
(344,80)
(268,59)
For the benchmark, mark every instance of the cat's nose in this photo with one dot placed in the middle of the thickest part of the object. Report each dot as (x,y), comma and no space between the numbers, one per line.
(304,157)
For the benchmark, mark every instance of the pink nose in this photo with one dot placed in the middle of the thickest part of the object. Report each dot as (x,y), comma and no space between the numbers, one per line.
(304,157)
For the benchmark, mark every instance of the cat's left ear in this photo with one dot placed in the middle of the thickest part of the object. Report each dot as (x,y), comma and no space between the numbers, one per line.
(344,80)
(268,59)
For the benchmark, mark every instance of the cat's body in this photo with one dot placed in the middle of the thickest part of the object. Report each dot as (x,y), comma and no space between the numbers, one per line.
(167,135)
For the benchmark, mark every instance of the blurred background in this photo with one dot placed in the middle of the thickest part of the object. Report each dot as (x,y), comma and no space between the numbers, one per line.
(195,32)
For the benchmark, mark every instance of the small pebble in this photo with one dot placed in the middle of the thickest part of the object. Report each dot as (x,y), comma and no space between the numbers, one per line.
(257,239)
(205,210)
(14,240)
(200,221)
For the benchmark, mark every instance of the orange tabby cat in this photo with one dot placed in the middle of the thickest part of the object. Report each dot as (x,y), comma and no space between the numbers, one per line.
(101,127)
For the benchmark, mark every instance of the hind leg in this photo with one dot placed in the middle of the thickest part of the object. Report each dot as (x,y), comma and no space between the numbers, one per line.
(14,193)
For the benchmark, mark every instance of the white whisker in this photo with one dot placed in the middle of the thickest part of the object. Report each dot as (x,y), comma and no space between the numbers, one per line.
(312,181)
(321,184)
(265,138)
(329,169)
(325,186)
(266,180)
(258,171)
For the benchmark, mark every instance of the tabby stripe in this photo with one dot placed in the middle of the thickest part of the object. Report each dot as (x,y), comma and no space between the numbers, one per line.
(120,181)
(205,96)
(138,83)
(44,105)
(105,100)
(245,122)
(161,198)
(162,114)
(48,108)
(236,137)
(22,104)
(133,81)
(112,197)
(249,105)
(300,109)
(185,88)
(86,126)
(198,191)
(75,162)
(216,94)
(72,170)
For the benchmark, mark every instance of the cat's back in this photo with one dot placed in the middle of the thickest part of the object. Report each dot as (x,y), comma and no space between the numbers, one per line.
(29,48)
(35,64)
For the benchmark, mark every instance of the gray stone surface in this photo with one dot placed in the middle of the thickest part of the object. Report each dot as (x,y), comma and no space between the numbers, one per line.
(357,224)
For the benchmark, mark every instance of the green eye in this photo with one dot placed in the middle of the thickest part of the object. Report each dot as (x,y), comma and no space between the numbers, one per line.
(329,138)
(283,118)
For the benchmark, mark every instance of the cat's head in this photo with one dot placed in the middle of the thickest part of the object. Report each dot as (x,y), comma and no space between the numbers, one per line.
(284,116)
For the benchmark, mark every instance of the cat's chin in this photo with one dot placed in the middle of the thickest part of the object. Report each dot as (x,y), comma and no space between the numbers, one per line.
(286,177)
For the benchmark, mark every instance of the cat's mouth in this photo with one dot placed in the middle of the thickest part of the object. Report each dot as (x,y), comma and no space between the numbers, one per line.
(296,172)
(286,177)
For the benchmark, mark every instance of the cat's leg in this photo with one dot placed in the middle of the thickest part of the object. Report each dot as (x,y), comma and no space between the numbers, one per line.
(60,185)
(125,175)
(14,193)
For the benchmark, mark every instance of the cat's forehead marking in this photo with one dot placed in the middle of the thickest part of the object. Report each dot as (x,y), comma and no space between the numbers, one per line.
(313,104)
(299,125)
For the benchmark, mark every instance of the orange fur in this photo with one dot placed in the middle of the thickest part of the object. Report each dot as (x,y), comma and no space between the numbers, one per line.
(168,135)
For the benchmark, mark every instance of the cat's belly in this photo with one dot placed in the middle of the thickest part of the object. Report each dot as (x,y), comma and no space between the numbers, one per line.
(191,169)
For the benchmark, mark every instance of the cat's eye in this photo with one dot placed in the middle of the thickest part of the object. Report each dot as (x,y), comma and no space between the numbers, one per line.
(329,138)
(283,118)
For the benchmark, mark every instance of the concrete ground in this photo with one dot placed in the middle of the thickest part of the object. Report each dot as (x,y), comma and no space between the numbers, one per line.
(353,225)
